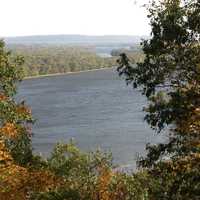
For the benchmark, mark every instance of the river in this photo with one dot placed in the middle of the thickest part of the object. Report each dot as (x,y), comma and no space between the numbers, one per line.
(94,108)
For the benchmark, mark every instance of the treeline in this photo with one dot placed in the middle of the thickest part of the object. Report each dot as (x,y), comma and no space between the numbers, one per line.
(51,59)
(41,60)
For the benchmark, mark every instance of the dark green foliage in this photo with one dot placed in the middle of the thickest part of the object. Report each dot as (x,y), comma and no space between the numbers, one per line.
(13,113)
(170,79)
(10,71)
(58,195)
(67,160)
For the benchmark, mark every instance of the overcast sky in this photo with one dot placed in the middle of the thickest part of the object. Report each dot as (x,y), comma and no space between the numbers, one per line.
(88,17)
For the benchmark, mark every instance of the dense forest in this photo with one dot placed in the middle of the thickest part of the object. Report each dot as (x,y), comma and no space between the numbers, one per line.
(51,59)
(40,60)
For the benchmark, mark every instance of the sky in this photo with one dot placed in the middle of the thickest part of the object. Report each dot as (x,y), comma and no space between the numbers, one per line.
(85,17)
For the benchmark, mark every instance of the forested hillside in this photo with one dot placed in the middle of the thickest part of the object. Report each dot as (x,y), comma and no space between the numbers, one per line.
(51,59)
(40,60)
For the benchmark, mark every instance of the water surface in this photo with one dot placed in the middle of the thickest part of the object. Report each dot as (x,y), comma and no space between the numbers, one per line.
(95,108)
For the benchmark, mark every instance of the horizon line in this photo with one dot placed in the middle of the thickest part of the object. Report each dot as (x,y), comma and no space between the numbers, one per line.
(76,34)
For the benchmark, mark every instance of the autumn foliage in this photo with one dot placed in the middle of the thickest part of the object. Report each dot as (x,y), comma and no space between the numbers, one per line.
(18,178)
(169,77)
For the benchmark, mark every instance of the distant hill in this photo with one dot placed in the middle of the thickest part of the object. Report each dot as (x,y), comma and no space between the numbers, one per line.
(73,40)
(69,53)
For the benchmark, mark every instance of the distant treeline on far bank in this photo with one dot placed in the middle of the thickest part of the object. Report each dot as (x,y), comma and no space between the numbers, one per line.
(52,59)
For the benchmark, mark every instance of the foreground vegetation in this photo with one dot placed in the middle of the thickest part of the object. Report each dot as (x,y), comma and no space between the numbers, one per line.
(170,78)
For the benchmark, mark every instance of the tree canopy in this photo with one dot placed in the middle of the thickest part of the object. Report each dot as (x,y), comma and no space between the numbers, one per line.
(170,79)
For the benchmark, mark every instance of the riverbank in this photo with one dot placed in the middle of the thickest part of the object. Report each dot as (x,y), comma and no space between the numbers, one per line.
(67,73)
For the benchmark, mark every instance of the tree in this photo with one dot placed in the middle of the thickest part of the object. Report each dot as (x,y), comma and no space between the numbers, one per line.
(170,79)
(13,116)
(19,175)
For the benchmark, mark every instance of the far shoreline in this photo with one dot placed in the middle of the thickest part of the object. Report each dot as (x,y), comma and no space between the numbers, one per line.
(66,73)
